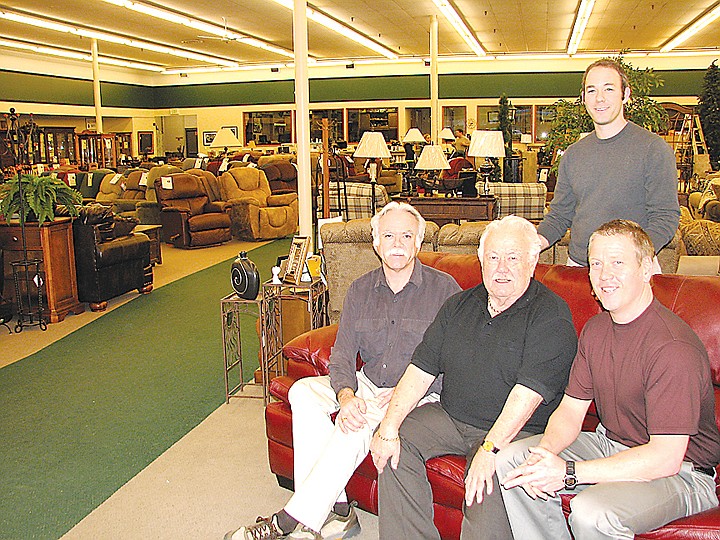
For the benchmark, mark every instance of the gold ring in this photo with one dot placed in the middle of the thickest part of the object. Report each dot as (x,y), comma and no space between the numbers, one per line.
(344,418)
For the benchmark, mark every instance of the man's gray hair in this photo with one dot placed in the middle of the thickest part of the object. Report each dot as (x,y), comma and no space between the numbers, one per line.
(516,223)
(395,205)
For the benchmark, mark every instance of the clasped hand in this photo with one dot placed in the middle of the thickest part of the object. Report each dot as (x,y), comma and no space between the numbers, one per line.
(541,475)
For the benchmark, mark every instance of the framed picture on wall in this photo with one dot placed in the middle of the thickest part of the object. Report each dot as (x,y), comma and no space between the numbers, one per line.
(234,129)
(493,116)
(145,142)
(208,137)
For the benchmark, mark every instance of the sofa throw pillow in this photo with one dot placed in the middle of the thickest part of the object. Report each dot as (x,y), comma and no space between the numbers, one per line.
(123,225)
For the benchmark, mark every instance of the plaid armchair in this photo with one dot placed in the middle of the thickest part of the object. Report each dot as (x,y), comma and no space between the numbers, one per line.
(359,198)
(524,200)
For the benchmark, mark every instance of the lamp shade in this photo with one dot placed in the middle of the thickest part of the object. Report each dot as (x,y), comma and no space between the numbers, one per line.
(432,158)
(225,138)
(414,136)
(372,145)
(447,135)
(487,144)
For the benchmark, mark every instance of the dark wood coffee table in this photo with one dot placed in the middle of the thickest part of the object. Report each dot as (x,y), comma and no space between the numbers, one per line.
(444,210)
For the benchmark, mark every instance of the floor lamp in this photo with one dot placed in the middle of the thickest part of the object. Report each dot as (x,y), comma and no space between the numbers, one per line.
(413,136)
(372,146)
(486,144)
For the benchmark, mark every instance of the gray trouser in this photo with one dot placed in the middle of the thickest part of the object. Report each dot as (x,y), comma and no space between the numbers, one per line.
(405,499)
(606,510)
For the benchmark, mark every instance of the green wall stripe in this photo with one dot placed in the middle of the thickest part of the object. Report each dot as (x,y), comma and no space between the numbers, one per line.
(31,88)
(370,88)
(215,95)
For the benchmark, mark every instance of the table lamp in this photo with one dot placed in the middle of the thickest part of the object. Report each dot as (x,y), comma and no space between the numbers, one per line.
(431,159)
(372,146)
(414,136)
(447,135)
(487,144)
(225,138)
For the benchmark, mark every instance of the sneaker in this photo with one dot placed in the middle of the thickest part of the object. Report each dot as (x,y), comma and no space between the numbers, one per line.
(302,532)
(337,527)
(264,529)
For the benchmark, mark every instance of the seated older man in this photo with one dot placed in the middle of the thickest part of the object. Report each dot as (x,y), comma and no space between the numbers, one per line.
(504,348)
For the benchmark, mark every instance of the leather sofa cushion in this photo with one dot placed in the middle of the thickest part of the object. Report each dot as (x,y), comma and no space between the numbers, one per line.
(122,249)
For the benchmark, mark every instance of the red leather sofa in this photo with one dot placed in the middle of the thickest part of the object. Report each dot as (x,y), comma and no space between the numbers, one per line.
(695,299)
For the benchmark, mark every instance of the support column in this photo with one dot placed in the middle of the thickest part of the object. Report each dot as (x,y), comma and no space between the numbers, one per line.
(302,117)
(96,86)
(435,113)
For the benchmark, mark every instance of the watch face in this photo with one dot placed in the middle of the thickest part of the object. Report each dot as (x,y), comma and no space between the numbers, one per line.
(570,482)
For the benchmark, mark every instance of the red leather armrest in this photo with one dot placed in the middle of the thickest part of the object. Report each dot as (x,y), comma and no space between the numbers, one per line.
(313,348)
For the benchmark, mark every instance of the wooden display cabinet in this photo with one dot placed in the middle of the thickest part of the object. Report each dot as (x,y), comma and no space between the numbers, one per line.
(53,243)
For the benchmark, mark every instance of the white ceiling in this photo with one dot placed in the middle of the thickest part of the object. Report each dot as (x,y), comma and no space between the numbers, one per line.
(503,27)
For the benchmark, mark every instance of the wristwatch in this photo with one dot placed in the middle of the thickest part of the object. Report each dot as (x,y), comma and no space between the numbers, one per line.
(488,446)
(570,478)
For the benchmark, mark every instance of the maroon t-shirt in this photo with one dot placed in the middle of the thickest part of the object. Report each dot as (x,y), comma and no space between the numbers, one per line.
(648,377)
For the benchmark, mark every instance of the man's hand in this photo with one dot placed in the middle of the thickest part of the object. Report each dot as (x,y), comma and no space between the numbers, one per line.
(352,410)
(479,476)
(384,449)
(542,474)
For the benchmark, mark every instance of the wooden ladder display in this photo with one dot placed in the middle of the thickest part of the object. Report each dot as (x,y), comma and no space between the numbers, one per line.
(689,143)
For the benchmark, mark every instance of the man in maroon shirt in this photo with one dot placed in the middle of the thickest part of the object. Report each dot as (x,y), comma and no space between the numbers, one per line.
(652,459)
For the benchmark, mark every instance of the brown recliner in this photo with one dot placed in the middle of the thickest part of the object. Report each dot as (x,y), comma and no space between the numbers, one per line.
(189,218)
(282,177)
(256,213)
(108,262)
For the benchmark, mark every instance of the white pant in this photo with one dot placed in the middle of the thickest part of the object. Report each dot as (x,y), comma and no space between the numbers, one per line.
(325,457)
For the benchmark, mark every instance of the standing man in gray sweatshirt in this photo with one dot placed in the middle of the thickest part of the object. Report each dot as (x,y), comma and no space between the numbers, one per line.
(619,171)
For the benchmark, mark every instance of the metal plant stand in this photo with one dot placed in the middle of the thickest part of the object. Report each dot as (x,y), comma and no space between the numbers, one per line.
(232,307)
(28,279)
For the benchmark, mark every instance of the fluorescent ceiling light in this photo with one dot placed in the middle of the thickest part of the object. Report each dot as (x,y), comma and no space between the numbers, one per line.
(460,27)
(693,29)
(319,17)
(102,36)
(202,26)
(75,55)
(581,19)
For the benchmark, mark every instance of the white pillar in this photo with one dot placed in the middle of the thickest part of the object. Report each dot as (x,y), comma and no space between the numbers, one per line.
(302,116)
(435,113)
(96,85)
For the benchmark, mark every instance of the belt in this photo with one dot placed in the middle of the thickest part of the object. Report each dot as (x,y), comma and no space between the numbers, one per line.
(705,470)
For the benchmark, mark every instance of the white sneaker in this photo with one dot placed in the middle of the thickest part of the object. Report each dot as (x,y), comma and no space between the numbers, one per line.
(302,532)
(337,527)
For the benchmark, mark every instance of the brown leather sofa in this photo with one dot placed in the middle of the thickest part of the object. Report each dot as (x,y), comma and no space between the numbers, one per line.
(695,299)
(108,262)
(189,219)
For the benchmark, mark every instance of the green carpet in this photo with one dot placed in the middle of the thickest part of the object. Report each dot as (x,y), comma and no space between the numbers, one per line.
(81,417)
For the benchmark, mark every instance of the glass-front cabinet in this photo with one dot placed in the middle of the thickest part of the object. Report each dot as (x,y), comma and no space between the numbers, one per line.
(97,149)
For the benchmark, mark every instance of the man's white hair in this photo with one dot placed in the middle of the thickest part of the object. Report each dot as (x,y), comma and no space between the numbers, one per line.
(395,205)
(516,223)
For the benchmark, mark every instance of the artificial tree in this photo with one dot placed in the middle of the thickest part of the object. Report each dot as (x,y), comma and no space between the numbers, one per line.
(506,122)
(709,111)
(572,119)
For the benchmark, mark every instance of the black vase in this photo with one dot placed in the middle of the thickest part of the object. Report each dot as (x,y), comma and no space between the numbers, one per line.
(245,277)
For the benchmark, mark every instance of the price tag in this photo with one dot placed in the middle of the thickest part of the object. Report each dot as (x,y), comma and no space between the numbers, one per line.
(198,163)
(72,181)
(116,178)
(143,179)
(90,178)
(224,165)
(167,182)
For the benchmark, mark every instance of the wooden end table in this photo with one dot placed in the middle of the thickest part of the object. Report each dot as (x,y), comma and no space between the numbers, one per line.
(153,233)
(443,210)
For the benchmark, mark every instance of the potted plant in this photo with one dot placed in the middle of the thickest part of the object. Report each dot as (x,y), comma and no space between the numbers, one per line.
(40,196)
(709,112)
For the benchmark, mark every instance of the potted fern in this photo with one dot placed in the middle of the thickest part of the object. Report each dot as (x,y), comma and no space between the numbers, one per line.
(40,197)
